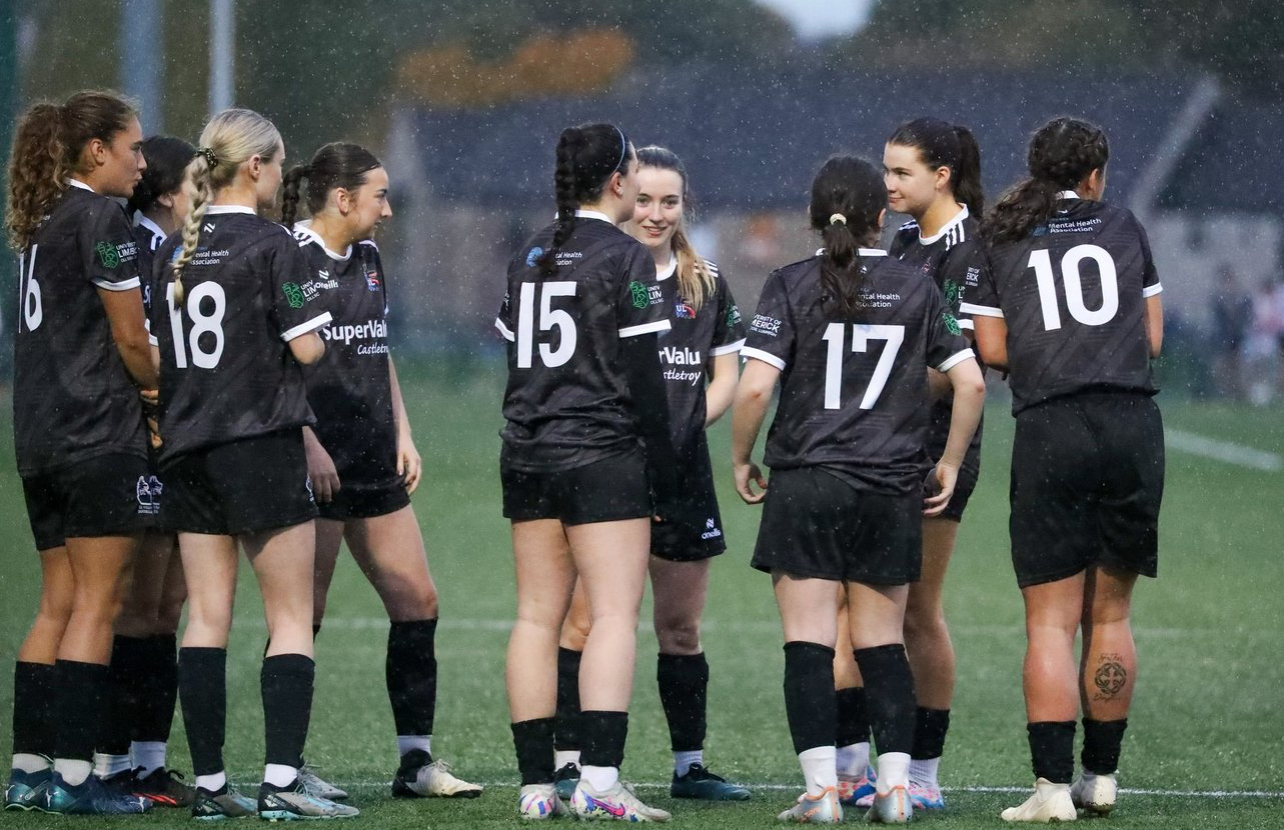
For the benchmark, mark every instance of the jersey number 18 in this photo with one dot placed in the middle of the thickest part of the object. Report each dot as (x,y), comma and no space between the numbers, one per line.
(202,323)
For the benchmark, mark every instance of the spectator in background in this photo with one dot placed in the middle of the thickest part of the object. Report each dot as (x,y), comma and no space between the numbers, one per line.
(1232,316)
(1263,341)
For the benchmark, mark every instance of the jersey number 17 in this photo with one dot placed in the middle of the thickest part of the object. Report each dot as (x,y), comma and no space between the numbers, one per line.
(862,333)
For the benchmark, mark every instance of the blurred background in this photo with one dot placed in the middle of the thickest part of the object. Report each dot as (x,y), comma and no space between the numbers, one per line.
(463,100)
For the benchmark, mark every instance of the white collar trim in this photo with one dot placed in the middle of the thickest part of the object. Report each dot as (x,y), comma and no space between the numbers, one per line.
(78,183)
(1068,194)
(140,219)
(669,270)
(859,251)
(593,214)
(306,227)
(957,220)
(217,209)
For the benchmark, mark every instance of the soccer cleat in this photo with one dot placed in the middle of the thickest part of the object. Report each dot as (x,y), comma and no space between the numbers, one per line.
(704,785)
(540,801)
(293,803)
(314,786)
(819,809)
(618,802)
(1050,802)
(227,803)
(421,777)
(1095,793)
(926,796)
(565,780)
(26,790)
(165,787)
(90,798)
(891,807)
(857,792)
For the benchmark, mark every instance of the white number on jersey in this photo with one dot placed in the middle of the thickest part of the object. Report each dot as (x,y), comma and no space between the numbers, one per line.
(1041,262)
(862,333)
(33,312)
(202,323)
(549,318)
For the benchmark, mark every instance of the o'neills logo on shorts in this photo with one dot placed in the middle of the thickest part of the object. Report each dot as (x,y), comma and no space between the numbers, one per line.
(711,530)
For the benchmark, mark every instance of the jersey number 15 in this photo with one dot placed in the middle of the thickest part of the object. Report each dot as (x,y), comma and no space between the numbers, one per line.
(549,318)
(862,333)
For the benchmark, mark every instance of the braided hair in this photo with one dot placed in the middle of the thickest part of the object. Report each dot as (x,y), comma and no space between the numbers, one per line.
(337,164)
(587,157)
(1062,153)
(847,196)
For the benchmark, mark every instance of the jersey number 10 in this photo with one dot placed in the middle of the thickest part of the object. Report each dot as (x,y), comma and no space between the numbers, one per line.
(549,318)
(1041,262)
(202,323)
(862,333)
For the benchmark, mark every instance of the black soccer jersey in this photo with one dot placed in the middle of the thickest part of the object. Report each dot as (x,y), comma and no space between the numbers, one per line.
(853,396)
(567,403)
(1073,297)
(226,368)
(73,399)
(149,236)
(350,388)
(690,345)
(952,257)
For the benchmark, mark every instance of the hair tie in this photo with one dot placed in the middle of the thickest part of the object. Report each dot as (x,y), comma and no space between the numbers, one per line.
(838,217)
(208,154)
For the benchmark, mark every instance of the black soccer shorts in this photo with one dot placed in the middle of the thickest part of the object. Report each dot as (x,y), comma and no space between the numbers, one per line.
(610,490)
(1087,480)
(103,496)
(693,529)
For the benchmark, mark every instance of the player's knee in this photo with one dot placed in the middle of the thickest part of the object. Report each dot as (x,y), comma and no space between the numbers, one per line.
(678,636)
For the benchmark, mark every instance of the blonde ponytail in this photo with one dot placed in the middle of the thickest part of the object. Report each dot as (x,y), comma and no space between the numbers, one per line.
(695,280)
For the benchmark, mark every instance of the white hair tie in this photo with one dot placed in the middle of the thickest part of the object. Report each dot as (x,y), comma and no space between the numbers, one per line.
(838,217)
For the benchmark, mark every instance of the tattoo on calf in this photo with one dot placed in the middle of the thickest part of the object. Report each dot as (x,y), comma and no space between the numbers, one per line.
(1110,677)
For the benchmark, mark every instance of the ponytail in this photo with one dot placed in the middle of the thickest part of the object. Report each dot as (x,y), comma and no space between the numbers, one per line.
(290,193)
(966,173)
(587,157)
(1062,154)
(847,196)
(337,164)
(941,144)
(695,280)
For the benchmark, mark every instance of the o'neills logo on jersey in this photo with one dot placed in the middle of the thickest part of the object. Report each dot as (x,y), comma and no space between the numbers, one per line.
(324,282)
(369,330)
(711,530)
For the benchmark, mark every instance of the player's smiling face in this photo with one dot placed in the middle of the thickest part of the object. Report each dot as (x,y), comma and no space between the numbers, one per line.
(658,210)
(911,184)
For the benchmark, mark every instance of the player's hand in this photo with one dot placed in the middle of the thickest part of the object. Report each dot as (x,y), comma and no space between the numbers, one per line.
(321,469)
(940,484)
(409,465)
(151,415)
(746,476)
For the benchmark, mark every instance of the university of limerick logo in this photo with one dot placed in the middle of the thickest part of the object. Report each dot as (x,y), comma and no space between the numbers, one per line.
(108,255)
(293,294)
(641,297)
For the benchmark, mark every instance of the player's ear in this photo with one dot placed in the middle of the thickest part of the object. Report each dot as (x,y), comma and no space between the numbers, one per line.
(943,177)
(616,184)
(882,219)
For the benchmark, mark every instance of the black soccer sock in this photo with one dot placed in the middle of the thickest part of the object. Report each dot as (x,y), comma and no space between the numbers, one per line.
(810,703)
(684,692)
(286,682)
(33,709)
(568,727)
(202,689)
(316,631)
(158,690)
(853,717)
(128,671)
(930,727)
(83,699)
(889,695)
(533,740)
(411,674)
(1052,750)
(1101,743)
(604,736)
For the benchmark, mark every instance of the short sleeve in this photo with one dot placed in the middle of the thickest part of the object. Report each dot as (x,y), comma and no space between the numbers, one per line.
(729,327)
(963,268)
(946,347)
(295,312)
(771,331)
(640,306)
(1150,285)
(979,295)
(504,319)
(109,250)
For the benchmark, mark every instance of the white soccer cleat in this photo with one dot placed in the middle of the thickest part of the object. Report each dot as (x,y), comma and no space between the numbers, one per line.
(1095,793)
(1050,802)
(430,781)
(618,803)
(540,801)
(817,809)
(316,787)
(891,807)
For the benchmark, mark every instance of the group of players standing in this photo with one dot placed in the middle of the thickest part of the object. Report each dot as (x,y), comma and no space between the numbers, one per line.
(208,380)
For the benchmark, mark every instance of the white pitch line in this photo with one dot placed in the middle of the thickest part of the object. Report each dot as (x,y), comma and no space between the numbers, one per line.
(1226,451)
(1219,794)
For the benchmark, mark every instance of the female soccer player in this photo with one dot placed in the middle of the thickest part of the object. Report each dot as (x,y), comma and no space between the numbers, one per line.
(144,661)
(80,357)
(585,445)
(233,322)
(932,170)
(706,336)
(850,333)
(361,457)
(1076,337)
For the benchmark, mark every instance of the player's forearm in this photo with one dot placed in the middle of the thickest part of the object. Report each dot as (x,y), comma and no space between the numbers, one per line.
(965,414)
(141,361)
(750,411)
(722,389)
(398,403)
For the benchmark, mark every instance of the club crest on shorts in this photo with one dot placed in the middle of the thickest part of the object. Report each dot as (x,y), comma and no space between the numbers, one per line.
(148,492)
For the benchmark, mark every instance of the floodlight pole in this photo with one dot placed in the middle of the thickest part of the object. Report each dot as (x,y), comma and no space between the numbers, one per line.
(222,54)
